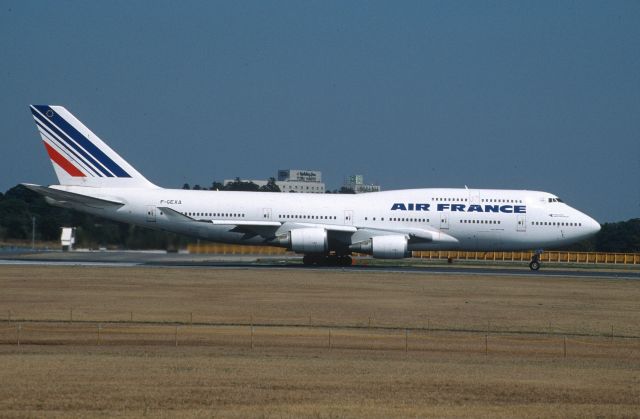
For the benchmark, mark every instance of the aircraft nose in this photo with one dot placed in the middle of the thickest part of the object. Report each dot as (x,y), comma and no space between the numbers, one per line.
(592,225)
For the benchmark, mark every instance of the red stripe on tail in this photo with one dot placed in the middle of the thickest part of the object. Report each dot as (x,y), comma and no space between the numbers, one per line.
(62,162)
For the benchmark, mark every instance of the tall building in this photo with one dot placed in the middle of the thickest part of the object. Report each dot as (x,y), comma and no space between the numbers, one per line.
(356,183)
(293,180)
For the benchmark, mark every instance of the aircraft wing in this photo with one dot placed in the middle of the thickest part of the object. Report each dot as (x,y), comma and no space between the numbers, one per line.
(271,229)
(174,215)
(287,226)
(266,228)
(415,235)
(178,216)
(64,198)
(346,234)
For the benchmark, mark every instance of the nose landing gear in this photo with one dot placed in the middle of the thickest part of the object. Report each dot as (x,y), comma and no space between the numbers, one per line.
(535,261)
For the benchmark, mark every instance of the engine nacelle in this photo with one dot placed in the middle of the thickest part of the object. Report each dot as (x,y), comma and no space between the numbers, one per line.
(384,247)
(308,240)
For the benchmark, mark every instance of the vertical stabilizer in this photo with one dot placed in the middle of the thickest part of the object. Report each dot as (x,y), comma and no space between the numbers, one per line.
(79,157)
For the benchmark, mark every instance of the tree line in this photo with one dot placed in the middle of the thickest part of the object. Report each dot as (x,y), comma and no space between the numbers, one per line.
(248,186)
(238,185)
(19,207)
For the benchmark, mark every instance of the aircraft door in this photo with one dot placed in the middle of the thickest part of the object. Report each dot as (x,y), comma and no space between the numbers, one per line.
(444,221)
(348,217)
(151,213)
(266,214)
(521,223)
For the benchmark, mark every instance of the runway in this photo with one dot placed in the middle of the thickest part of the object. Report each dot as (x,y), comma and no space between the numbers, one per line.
(166,260)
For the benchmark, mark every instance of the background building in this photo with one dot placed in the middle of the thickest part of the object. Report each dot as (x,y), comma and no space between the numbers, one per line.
(293,180)
(356,183)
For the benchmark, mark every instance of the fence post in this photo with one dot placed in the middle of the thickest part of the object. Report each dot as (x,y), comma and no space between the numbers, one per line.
(406,340)
(611,333)
(251,325)
(131,317)
(329,338)
(565,347)
(9,314)
(176,336)
(71,314)
(486,344)
(18,333)
(191,318)
(99,337)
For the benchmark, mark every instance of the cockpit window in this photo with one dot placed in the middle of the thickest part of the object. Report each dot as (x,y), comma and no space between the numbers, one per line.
(555,200)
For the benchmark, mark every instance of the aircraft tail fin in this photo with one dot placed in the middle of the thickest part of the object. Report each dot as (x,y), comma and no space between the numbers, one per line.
(79,157)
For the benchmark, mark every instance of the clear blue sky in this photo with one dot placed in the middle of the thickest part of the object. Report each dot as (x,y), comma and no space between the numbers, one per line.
(526,95)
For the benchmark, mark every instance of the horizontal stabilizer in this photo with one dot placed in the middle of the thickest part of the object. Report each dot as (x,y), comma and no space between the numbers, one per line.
(64,197)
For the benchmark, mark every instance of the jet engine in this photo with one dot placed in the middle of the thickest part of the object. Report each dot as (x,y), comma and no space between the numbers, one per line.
(383,247)
(306,240)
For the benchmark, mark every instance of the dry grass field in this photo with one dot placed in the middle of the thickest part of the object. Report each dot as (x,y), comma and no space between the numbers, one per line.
(167,342)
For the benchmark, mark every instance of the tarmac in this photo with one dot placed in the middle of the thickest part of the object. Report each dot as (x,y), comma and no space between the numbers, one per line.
(164,259)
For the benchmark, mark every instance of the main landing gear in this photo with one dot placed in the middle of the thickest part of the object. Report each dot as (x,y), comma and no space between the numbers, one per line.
(535,261)
(326,260)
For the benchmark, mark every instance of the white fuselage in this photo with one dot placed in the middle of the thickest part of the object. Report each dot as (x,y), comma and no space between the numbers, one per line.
(325,228)
(478,219)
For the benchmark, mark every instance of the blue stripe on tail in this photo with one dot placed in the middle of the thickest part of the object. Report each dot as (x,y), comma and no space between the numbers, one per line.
(83,141)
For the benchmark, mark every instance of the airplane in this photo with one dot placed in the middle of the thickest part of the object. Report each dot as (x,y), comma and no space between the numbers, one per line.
(326,228)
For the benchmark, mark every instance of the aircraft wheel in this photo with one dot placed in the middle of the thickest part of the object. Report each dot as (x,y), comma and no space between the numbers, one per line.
(534,265)
(309,260)
(345,260)
(331,260)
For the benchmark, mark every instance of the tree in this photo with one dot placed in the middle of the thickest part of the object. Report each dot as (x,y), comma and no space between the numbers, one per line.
(19,204)
(271,186)
(346,190)
(238,185)
(186,186)
(15,218)
(217,186)
(623,236)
